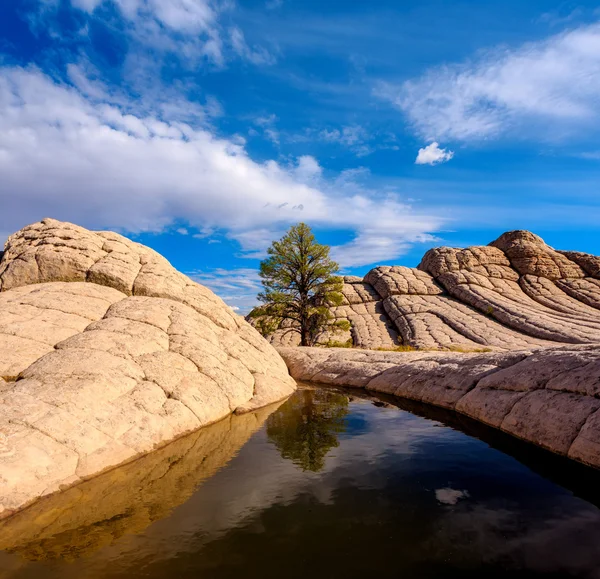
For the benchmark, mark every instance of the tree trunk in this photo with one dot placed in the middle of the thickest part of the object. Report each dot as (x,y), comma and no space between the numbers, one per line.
(304,334)
(304,321)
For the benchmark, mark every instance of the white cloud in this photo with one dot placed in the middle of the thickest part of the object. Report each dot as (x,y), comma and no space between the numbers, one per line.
(448,496)
(191,30)
(308,170)
(256,55)
(189,16)
(103,165)
(354,137)
(549,87)
(350,135)
(432,155)
(376,246)
(267,124)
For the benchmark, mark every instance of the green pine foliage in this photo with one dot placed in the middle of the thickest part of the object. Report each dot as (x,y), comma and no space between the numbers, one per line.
(300,285)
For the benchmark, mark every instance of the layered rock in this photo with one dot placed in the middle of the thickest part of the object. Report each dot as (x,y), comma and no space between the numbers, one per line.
(548,396)
(108,353)
(515,293)
(362,307)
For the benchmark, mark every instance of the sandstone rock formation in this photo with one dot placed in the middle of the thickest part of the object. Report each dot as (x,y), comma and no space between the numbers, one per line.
(108,353)
(548,396)
(515,293)
(126,499)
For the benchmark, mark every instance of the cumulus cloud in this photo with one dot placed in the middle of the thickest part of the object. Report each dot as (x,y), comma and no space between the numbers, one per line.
(104,164)
(432,155)
(548,85)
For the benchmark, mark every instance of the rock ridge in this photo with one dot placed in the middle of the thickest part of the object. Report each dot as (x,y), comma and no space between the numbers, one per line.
(515,293)
(109,353)
(547,396)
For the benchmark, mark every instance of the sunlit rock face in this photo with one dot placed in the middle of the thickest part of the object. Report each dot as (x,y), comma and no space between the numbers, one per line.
(546,396)
(515,293)
(108,352)
(129,498)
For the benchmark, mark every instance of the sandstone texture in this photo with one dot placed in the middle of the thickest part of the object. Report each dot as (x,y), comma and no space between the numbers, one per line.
(515,293)
(546,396)
(108,353)
(129,498)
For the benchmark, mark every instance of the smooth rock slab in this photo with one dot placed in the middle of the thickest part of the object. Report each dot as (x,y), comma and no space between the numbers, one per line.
(549,397)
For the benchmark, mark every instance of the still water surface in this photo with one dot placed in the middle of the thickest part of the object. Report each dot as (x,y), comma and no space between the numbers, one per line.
(326,485)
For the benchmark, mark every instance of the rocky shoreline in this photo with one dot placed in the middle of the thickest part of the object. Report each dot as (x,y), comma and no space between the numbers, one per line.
(549,397)
(109,353)
(129,498)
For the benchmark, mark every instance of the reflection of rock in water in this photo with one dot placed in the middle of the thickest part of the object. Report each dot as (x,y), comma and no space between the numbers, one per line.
(127,499)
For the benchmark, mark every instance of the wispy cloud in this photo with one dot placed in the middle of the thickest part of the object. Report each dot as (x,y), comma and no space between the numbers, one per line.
(432,155)
(591,155)
(189,30)
(145,172)
(353,137)
(237,287)
(256,55)
(550,87)
(267,125)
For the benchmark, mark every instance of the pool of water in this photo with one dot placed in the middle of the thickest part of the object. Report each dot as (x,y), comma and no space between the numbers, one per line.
(329,484)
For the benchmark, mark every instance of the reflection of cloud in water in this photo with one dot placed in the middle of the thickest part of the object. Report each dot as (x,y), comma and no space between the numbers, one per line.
(450,496)
(257,479)
(554,543)
(377,465)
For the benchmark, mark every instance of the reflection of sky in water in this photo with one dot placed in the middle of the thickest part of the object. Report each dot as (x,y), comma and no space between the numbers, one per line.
(399,496)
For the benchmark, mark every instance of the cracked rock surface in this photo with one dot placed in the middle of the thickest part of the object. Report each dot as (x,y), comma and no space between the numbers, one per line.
(108,352)
(546,396)
(129,498)
(515,293)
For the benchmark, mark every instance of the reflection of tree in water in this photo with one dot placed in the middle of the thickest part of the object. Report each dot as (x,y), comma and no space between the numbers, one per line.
(305,428)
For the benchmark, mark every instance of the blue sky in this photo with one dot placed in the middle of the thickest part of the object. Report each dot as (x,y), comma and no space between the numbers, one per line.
(205,128)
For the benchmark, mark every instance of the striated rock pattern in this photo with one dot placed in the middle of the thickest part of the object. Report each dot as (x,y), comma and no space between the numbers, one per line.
(515,293)
(363,308)
(548,396)
(108,353)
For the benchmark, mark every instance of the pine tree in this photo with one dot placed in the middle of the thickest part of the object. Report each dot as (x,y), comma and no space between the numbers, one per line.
(300,285)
